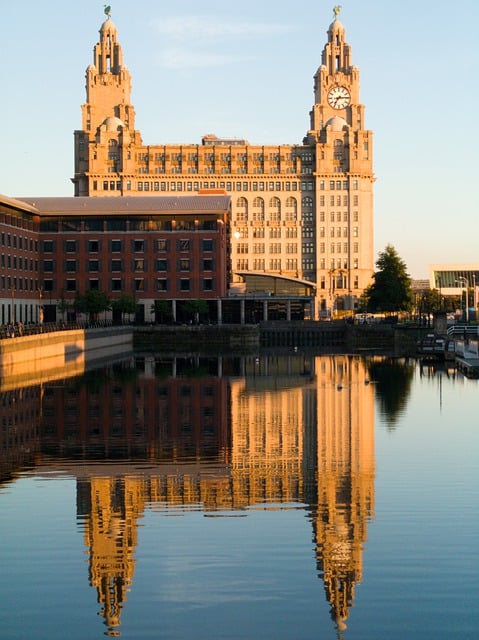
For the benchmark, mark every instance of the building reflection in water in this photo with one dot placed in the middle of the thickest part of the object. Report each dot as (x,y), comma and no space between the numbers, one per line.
(214,434)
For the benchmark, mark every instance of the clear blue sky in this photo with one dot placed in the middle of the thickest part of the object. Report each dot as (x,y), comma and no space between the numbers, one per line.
(246,69)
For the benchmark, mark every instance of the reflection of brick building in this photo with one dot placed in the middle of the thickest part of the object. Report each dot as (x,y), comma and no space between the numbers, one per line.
(280,429)
(124,412)
(20,417)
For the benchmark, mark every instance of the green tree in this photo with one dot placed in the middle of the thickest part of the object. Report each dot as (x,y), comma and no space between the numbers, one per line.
(391,288)
(429,302)
(125,304)
(93,302)
(162,310)
(63,305)
(195,309)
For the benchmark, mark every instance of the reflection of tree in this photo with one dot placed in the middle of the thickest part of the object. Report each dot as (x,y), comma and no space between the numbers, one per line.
(393,379)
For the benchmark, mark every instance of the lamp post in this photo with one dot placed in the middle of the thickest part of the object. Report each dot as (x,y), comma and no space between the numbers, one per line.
(465,283)
(13,305)
(474,295)
(40,309)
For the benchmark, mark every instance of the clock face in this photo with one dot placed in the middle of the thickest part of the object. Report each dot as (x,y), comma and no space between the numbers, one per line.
(339,97)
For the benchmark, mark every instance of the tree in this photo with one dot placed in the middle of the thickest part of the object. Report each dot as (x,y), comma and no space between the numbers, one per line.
(391,288)
(195,308)
(63,305)
(92,302)
(162,310)
(125,304)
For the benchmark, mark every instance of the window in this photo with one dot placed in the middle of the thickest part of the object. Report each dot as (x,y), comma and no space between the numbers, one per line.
(184,245)
(116,246)
(94,284)
(162,245)
(207,245)
(207,284)
(93,265)
(71,266)
(70,246)
(207,264)
(93,246)
(162,284)
(139,284)
(48,266)
(138,246)
(184,284)
(184,264)
(116,284)
(71,285)
(116,265)
(162,265)
(139,264)
(47,247)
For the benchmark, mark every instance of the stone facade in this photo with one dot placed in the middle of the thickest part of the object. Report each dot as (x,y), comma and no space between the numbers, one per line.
(302,211)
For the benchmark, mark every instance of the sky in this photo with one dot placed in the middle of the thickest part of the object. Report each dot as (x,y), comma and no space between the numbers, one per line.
(245,70)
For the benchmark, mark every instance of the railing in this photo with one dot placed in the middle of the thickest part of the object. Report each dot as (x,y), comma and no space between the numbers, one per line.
(20,330)
(463,330)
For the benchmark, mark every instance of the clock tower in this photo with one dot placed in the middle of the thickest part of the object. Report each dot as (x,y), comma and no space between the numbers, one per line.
(344,175)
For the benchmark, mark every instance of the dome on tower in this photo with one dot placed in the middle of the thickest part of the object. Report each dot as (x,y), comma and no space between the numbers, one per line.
(113,124)
(336,26)
(108,25)
(336,123)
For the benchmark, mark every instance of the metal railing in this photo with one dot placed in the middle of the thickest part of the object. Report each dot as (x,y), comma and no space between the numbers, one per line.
(19,330)
(463,330)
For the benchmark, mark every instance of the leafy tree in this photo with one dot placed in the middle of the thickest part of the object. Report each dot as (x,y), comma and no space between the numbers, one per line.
(93,302)
(125,304)
(63,305)
(162,310)
(195,308)
(428,302)
(391,288)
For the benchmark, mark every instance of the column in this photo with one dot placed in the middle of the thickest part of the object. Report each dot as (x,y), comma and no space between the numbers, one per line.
(220,311)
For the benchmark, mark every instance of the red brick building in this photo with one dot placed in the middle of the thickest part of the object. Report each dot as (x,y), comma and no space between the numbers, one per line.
(157,248)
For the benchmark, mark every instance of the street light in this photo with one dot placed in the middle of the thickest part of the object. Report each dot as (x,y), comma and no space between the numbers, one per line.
(465,283)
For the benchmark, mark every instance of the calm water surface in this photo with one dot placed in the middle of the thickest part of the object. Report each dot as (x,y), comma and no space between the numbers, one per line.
(289,496)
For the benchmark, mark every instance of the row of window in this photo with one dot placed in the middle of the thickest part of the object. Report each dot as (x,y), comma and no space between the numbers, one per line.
(136,246)
(171,285)
(136,265)
(260,247)
(273,232)
(13,284)
(338,185)
(17,262)
(18,242)
(178,185)
(120,223)
(259,264)
(225,156)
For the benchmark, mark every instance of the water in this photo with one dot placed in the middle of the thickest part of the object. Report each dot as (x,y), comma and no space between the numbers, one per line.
(290,496)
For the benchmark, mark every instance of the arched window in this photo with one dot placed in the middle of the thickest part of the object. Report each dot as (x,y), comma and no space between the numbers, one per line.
(258,210)
(291,209)
(242,210)
(275,209)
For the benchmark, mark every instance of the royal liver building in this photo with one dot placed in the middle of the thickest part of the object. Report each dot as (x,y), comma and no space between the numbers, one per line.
(300,213)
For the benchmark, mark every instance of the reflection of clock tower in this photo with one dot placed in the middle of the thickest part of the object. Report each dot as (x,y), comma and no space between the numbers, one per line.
(344,173)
